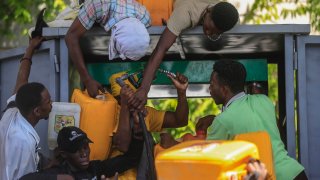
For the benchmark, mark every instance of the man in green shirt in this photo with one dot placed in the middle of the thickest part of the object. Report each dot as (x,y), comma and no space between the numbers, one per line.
(243,113)
(215,17)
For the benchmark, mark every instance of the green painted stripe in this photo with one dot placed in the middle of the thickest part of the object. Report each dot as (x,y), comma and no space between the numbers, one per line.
(197,71)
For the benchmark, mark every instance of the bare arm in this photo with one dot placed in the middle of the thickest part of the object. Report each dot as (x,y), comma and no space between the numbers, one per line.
(75,32)
(122,137)
(166,40)
(44,175)
(25,65)
(167,140)
(178,118)
(204,122)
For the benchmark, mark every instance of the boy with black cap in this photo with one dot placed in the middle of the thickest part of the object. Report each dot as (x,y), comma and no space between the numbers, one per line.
(73,145)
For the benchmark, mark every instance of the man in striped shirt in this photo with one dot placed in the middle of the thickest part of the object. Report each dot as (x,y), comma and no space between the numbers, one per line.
(127,20)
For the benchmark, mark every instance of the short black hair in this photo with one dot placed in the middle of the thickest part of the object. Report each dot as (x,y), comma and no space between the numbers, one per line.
(231,73)
(224,16)
(29,96)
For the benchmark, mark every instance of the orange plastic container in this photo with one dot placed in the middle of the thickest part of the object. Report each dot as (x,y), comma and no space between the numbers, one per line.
(265,148)
(158,9)
(97,119)
(203,159)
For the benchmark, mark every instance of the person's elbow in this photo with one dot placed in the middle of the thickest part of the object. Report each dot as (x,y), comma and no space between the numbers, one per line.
(181,121)
(70,38)
(184,122)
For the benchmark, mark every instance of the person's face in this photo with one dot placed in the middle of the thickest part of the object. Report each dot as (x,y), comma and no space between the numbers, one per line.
(79,159)
(215,89)
(209,28)
(45,105)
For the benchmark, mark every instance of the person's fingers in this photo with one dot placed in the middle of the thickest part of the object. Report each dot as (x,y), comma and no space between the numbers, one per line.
(252,160)
(256,165)
(173,79)
(179,76)
(92,93)
(129,96)
(124,90)
(184,79)
(116,176)
(144,112)
(141,106)
(103,177)
(132,101)
(170,77)
(233,177)
(264,169)
(135,103)
(262,165)
(101,88)
(129,91)
(250,167)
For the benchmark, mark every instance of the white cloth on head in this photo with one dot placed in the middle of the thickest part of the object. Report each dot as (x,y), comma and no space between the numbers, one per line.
(129,40)
(18,145)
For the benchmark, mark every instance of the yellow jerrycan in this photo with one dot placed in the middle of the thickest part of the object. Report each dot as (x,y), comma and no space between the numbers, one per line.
(97,119)
(204,159)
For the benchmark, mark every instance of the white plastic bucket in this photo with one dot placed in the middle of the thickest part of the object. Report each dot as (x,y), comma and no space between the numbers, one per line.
(63,114)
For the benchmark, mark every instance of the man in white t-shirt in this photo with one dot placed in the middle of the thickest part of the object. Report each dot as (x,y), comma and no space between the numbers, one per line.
(30,103)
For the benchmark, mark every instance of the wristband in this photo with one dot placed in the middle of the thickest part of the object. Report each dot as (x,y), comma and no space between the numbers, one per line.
(26,59)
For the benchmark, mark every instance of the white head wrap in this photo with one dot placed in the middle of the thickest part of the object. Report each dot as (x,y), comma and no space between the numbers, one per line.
(129,40)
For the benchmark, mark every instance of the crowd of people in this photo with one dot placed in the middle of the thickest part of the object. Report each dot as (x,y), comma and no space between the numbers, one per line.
(128,22)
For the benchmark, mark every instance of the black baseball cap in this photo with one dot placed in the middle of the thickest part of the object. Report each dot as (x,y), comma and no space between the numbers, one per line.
(71,139)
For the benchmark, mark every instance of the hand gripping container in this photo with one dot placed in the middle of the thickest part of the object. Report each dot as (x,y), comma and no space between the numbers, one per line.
(63,114)
(204,159)
(265,148)
(97,119)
